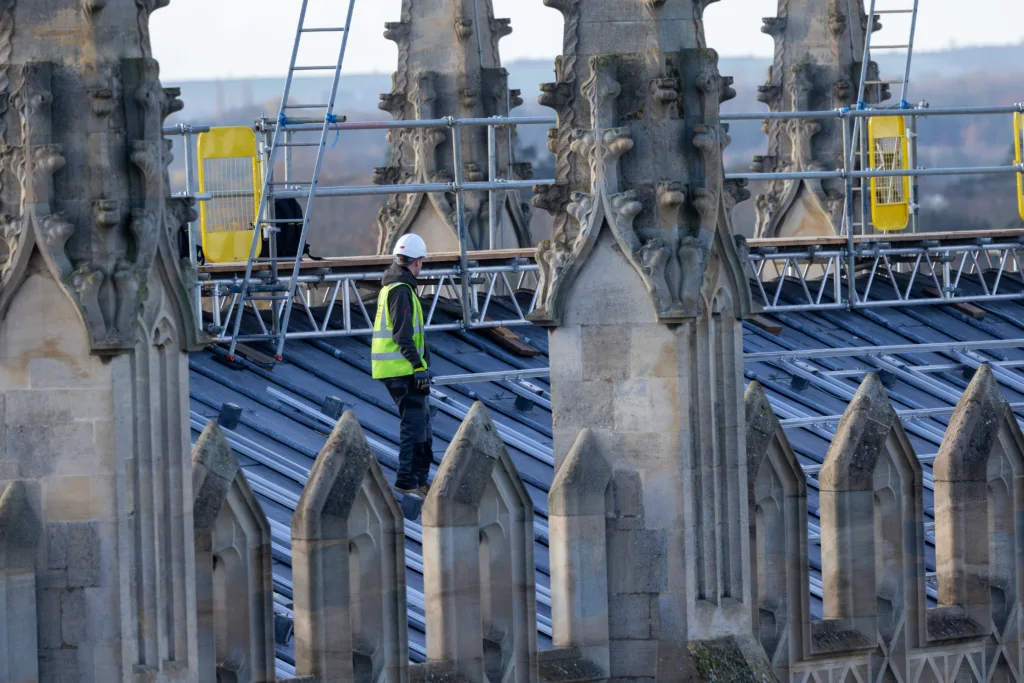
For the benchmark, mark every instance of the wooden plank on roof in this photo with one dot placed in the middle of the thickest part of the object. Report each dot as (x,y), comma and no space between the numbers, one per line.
(968,309)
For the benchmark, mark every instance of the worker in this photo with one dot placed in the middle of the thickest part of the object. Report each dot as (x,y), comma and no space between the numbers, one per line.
(400,358)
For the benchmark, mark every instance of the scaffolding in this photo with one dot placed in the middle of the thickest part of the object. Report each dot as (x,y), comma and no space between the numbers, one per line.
(825,270)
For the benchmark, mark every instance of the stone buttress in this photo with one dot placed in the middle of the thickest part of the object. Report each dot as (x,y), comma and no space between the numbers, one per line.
(95,326)
(644,291)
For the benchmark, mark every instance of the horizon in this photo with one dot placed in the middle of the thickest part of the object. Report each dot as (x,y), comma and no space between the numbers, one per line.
(545,60)
(732,27)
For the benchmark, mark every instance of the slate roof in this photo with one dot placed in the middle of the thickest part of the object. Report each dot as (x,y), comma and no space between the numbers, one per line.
(282,430)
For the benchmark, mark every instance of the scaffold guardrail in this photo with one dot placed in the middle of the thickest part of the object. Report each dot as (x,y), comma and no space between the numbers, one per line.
(884,272)
(332,305)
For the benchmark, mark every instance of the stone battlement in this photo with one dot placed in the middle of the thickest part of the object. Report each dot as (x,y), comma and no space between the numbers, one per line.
(883,617)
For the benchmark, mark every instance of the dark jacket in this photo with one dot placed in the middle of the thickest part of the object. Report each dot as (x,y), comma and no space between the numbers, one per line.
(400,308)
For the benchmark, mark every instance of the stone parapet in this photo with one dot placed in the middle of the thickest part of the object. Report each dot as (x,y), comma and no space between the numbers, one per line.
(478,566)
(877,624)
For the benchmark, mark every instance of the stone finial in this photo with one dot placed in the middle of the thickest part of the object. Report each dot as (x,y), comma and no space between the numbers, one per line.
(460,484)
(449,67)
(478,567)
(577,509)
(581,483)
(236,631)
(214,467)
(870,493)
(817,67)
(973,431)
(20,529)
(348,567)
(778,536)
(975,473)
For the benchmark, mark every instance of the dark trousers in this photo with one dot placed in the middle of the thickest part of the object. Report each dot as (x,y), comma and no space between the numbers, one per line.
(415,452)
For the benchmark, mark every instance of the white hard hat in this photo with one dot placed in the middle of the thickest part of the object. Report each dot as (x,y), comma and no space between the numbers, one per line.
(411,247)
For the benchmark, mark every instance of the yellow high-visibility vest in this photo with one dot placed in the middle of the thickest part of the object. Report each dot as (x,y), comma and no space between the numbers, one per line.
(386,359)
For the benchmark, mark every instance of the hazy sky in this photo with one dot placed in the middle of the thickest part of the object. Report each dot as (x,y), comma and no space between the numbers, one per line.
(208,39)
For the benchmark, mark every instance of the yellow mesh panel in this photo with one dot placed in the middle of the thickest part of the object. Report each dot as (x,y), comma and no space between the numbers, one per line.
(889,155)
(228,163)
(229,213)
(890,196)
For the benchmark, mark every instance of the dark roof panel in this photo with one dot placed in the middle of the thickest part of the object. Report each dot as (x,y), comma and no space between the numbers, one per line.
(282,430)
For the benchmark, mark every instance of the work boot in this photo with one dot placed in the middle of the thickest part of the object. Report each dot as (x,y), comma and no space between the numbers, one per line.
(410,492)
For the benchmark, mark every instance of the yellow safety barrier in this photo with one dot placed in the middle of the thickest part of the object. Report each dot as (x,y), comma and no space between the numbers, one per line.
(1018,143)
(228,163)
(890,196)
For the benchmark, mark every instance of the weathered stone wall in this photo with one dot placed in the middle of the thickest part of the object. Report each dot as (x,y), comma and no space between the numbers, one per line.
(94,328)
(819,48)
(449,65)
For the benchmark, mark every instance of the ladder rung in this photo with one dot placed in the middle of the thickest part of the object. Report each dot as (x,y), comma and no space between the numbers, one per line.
(282,221)
(298,144)
(894,11)
(889,47)
(289,183)
(332,67)
(882,82)
(306,106)
(325,29)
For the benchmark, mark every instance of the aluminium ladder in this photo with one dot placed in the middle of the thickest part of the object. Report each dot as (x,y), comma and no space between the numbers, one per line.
(858,126)
(281,294)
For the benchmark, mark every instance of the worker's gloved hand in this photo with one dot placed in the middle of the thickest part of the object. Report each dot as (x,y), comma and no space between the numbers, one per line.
(422,379)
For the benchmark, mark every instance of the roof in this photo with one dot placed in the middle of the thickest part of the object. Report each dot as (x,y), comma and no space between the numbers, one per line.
(282,427)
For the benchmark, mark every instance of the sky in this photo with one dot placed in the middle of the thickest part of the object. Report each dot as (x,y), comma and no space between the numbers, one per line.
(215,39)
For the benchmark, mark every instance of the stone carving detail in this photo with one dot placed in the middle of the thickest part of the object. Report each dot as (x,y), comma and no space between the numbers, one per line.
(802,79)
(670,257)
(562,97)
(477,86)
(143,9)
(105,282)
(877,624)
